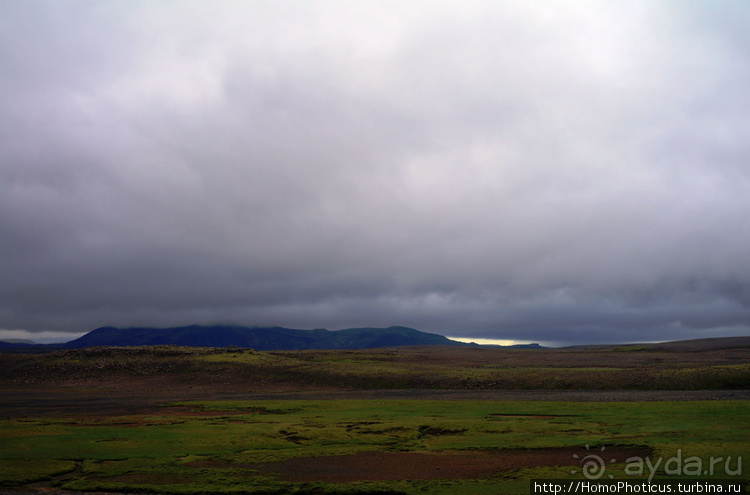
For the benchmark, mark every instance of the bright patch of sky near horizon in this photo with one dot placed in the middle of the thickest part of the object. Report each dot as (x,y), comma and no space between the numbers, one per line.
(470,340)
(552,171)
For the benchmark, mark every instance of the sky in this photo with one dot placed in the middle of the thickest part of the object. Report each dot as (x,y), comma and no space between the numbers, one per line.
(562,172)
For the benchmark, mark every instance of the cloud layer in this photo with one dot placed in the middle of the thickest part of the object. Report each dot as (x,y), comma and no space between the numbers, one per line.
(540,171)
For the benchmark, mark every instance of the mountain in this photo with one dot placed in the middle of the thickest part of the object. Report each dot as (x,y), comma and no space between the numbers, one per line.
(4,344)
(260,338)
(19,344)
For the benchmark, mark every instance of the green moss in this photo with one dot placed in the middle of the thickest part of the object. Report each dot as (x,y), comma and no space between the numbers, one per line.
(15,472)
(178,452)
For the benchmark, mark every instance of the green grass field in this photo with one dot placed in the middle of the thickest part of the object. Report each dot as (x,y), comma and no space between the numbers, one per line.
(231,447)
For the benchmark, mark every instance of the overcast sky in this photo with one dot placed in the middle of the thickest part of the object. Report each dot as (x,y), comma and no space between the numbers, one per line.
(551,171)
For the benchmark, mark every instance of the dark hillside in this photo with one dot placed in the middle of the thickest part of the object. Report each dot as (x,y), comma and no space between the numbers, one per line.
(693,345)
(260,338)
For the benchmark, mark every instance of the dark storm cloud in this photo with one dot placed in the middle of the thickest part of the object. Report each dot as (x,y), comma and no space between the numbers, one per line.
(555,172)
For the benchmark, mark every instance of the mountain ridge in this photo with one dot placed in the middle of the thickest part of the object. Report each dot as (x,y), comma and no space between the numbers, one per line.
(261,338)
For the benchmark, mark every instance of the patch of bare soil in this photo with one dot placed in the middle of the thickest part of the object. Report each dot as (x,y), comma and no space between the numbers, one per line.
(382,466)
(203,413)
(151,478)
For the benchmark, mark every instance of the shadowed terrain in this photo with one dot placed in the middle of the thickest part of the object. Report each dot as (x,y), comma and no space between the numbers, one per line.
(711,364)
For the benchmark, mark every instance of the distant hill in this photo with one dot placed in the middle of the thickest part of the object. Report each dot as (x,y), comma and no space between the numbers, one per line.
(18,341)
(261,338)
(18,344)
(692,345)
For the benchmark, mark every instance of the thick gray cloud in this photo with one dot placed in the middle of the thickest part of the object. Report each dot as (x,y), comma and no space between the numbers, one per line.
(541,171)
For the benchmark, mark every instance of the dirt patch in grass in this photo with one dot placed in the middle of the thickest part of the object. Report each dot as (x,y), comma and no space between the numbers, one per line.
(381,466)
(151,479)
(534,416)
(200,413)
